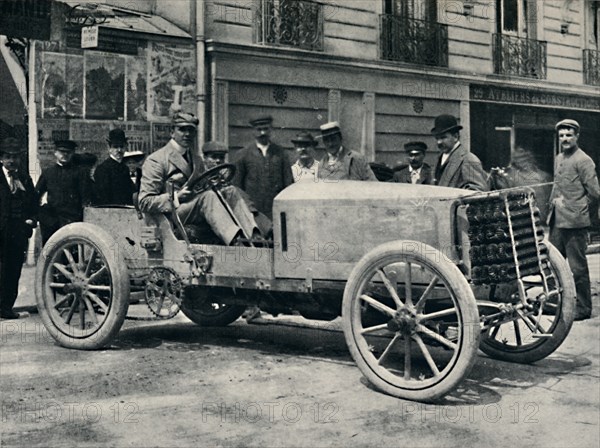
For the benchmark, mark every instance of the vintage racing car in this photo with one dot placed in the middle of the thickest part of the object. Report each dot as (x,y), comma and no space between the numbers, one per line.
(422,276)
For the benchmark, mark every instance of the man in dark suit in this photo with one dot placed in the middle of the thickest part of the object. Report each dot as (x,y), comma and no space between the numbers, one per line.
(176,163)
(575,186)
(17,219)
(263,168)
(113,185)
(417,171)
(456,167)
(69,190)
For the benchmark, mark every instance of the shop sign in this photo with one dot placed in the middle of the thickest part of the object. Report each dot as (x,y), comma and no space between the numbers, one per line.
(26,18)
(89,37)
(494,94)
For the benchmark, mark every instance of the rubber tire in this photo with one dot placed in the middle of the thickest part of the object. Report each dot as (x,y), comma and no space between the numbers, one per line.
(565,316)
(230,314)
(448,272)
(105,245)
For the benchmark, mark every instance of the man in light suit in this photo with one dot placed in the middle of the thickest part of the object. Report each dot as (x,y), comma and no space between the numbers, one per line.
(456,167)
(575,186)
(175,162)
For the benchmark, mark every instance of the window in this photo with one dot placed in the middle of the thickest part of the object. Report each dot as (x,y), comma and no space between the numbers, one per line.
(592,19)
(412,9)
(517,17)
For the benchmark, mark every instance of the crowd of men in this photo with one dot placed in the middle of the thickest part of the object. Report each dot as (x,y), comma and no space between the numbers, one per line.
(242,214)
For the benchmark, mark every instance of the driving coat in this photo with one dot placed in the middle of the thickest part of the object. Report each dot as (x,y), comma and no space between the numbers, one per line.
(263,177)
(462,170)
(350,165)
(575,186)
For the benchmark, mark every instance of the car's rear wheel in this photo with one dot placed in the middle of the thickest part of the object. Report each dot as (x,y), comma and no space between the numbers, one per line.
(514,339)
(425,340)
(82,287)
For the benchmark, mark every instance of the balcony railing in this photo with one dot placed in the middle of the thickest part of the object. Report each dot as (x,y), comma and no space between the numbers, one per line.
(518,56)
(591,67)
(414,41)
(292,23)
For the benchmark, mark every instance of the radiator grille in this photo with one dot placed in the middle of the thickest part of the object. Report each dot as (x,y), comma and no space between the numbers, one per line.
(505,238)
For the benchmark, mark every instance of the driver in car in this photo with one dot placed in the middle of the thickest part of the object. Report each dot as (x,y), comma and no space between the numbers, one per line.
(175,163)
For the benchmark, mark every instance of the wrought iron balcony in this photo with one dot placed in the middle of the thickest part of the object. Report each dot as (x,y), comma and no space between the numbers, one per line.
(412,40)
(518,56)
(591,67)
(292,23)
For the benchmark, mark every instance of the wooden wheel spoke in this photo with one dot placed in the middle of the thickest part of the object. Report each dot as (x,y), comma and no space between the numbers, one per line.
(440,313)
(388,349)
(97,274)
(517,332)
(71,311)
(526,320)
(378,305)
(536,323)
(90,309)
(391,288)
(80,255)
(88,268)
(98,301)
(436,336)
(408,287)
(407,358)
(81,314)
(63,270)
(374,329)
(99,288)
(63,300)
(71,260)
(495,332)
(421,302)
(427,355)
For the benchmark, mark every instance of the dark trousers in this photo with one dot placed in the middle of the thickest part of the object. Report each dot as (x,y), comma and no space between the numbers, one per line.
(13,244)
(572,244)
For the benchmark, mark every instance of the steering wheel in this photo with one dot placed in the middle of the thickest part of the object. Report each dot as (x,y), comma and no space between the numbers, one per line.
(216,177)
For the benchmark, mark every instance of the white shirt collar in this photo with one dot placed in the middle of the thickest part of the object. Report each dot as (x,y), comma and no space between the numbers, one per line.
(263,148)
(5,173)
(418,170)
(114,159)
(178,147)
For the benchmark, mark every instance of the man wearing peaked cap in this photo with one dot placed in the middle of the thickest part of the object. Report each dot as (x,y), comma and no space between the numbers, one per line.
(306,167)
(456,167)
(263,168)
(575,187)
(214,153)
(17,219)
(69,190)
(177,163)
(417,171)
(113,185)
(340,162)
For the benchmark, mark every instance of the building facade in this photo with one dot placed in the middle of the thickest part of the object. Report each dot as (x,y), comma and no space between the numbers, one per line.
(508,69)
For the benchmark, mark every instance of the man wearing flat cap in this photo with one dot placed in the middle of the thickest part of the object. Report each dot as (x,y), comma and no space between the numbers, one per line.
(575,187)
(113,185)
(18,209)
(263,168)
(340,163)
(176,163)
(456,167)
(68,187)
(417,171)
(306,168)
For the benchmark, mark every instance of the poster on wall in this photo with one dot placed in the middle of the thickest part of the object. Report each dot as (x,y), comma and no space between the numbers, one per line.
(172,80)
(137,91)
(61,86)
(161,134)
(104,86)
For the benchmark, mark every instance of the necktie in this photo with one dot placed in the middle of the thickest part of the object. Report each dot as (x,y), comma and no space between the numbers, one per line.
(14,183)
(414,176)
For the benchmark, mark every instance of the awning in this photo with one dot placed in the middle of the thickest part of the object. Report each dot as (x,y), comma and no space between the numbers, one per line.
(123,19)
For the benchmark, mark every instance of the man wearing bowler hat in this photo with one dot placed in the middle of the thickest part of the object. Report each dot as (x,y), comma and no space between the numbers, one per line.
(456,167)
(306,167)
(176,163)
(113,185)
(575,187)
(341,163)
(417,171)
(263,168)
(68,187)
(17,219)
